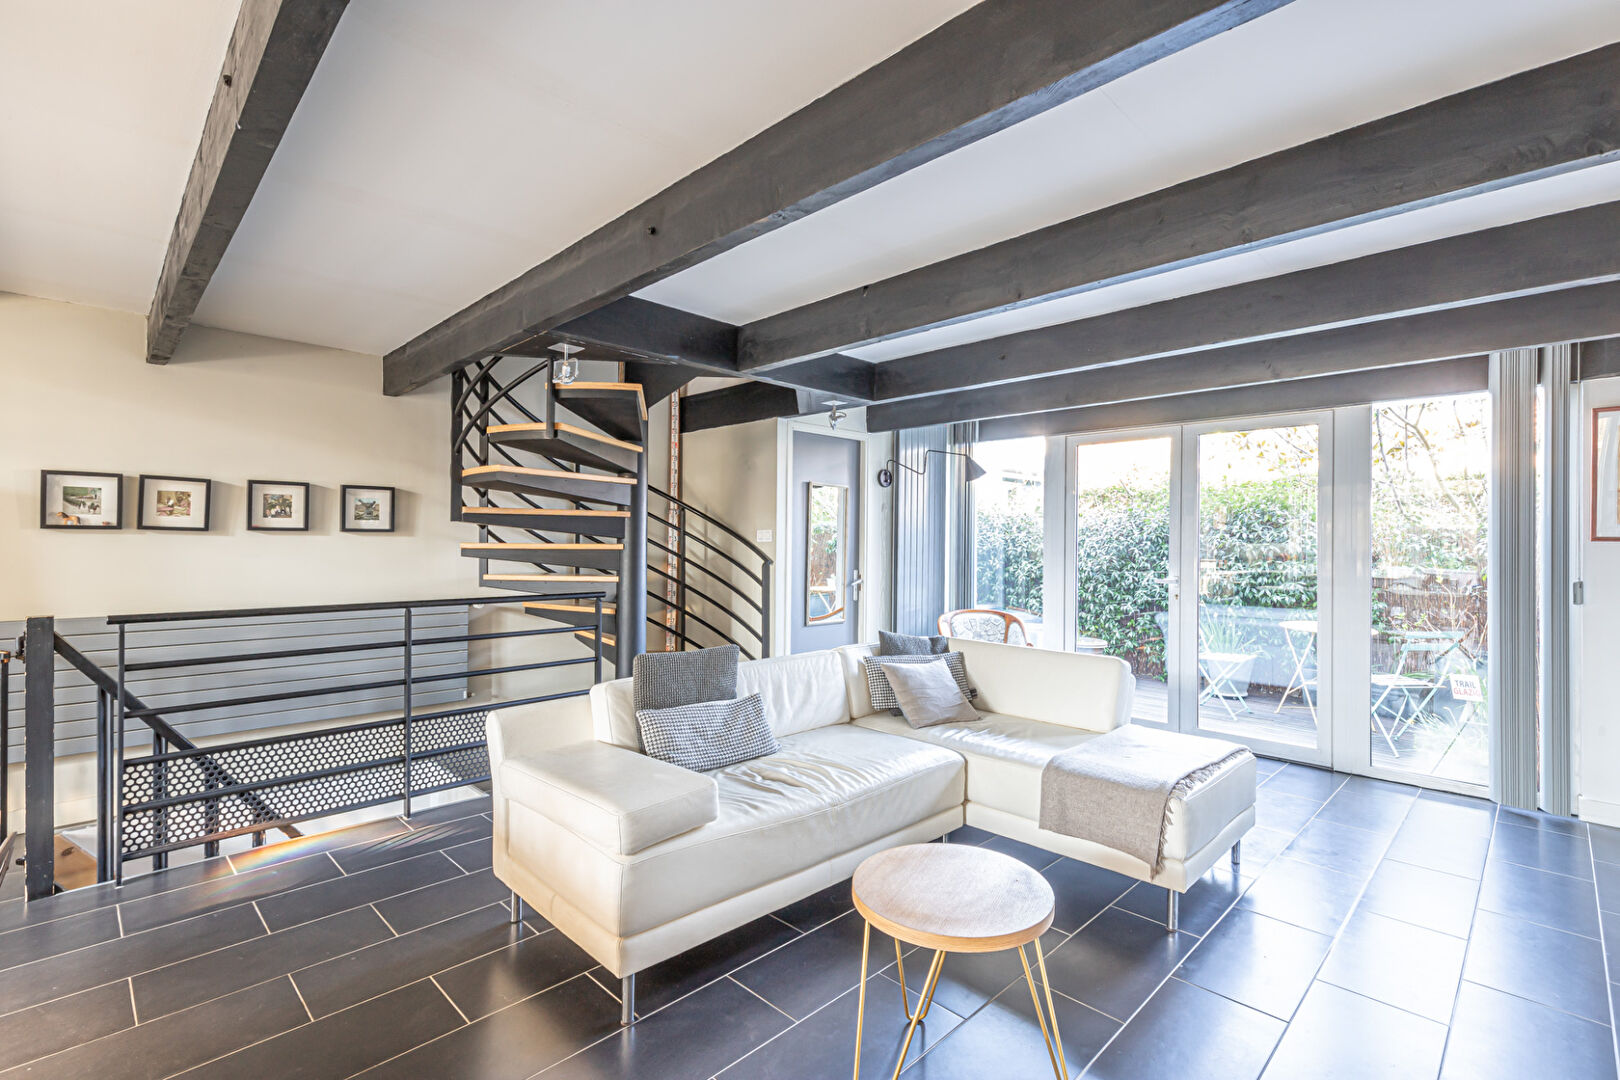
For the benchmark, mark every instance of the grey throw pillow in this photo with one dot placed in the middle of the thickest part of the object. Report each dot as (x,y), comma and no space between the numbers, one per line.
(664,680)
(877,681)
(891,644)
(928,694)
(708,734)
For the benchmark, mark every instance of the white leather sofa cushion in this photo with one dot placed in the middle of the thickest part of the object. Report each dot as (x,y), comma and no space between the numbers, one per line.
(800,692)
(616,799)
(851,659)
(1005,756)
(828,791)
(1077,690)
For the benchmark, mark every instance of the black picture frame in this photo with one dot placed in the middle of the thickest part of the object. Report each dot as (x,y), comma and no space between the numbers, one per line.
(208,503)
(44,494)
(252,490)
(343,508)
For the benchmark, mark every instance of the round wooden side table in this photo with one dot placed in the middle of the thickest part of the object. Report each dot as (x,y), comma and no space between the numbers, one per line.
(954,898)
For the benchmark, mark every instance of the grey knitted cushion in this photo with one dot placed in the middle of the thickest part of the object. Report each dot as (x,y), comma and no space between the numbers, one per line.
(666,679)
(877,683)
(891,644)
(707,734)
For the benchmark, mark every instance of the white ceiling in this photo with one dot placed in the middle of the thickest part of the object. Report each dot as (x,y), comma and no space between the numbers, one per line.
(442,149)
(101,106)
(1309,69)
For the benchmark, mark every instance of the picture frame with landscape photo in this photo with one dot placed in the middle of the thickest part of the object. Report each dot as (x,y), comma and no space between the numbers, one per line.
(1606,473)
(366,508)
(80,500)
(278,506)
(185,503)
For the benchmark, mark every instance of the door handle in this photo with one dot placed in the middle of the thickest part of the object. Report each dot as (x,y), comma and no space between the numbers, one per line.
(856,582)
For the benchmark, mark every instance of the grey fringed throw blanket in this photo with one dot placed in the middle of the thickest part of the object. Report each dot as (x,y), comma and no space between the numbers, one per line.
(1115,790)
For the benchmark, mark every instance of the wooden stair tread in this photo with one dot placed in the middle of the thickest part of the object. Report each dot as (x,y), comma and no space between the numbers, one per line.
(539,431)
(609,578)
(589,636)
(541,605)
(548,474)
(497,545)
(541,512)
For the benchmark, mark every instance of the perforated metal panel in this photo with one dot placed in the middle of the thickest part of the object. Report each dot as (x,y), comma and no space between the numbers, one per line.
(170,801)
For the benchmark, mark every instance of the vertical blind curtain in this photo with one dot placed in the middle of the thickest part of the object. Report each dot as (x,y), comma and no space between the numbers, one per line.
(1512,584)
(1558,464)
(919,532)
(959,509)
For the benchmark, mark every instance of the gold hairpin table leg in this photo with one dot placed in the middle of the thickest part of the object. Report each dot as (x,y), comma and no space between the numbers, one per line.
(924,1003)
(1054,1053)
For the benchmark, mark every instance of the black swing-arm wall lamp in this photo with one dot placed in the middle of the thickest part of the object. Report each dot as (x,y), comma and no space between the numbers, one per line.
(885,476)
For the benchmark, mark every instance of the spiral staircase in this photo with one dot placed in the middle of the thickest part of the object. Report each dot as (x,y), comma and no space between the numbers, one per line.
(554,475)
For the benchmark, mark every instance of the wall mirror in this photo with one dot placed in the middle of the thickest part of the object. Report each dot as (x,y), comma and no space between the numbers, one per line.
(826,527)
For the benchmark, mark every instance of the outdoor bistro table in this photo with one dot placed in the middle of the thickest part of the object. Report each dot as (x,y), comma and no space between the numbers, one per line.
(954,898)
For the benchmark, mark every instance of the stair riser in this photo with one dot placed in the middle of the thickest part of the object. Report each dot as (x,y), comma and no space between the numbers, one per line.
(607,559)
(550,524)
(558,487)
(592,455)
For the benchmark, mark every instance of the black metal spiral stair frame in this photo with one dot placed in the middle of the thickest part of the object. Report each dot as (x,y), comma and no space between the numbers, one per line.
(566,499)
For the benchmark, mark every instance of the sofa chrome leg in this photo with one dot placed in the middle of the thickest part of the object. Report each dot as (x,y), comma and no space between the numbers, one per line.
(627,1000)
(517,907)
(1237,855)
(1173,921)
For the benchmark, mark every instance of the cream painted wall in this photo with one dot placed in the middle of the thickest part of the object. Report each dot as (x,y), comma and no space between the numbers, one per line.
(1597,641)
(76,393)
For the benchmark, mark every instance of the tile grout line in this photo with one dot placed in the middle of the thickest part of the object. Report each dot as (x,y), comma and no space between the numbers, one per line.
(254,904)
(134,1010)
(1604,945)
(341,872)
(434,979)
(307,1010)
(767,1001)
(389,925)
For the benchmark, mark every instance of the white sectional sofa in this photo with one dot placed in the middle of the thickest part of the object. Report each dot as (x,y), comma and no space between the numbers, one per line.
(637,860)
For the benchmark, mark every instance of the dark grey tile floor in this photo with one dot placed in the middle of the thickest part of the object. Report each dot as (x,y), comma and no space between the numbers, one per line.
(1374,931)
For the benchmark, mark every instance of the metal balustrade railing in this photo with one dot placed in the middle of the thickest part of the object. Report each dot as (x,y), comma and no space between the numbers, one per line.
(181,795)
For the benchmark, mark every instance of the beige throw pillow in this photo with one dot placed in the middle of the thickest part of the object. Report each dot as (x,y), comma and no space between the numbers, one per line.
(928,694)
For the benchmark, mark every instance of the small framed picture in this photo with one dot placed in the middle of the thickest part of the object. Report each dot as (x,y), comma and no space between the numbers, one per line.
(175,502)
(278,506)
(1606,473)
(81,500)
(368,509)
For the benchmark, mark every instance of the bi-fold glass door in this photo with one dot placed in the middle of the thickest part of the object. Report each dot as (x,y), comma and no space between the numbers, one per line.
(1198,555)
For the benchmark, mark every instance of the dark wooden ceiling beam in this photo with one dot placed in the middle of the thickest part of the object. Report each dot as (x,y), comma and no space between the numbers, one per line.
(1551,119)
(1591,311)
(999,62)
(1432,378)
(1557,251)
(633,328)
(737,405)
(272,55)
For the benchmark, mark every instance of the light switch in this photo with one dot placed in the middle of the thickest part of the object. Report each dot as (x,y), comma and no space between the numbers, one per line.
(762,536)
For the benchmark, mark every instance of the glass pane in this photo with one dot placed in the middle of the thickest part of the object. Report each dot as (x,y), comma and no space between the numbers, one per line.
(1122,601)
(1257,583)
(1430,462)
(1008,529)
(824,553)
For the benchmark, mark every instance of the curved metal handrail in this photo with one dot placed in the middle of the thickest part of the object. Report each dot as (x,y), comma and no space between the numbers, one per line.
(722,526)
